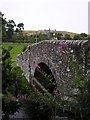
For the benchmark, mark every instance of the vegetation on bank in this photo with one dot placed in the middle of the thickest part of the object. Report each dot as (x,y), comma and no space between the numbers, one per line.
(18,93)
(13,84)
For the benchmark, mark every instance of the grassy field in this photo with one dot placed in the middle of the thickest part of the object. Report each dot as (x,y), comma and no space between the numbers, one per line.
(17,49)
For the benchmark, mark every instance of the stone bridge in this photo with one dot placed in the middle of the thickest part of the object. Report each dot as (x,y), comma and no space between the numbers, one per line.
(61,60)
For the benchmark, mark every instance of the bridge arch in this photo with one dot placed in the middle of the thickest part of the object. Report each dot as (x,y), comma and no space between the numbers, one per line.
(44,75)
(57,58)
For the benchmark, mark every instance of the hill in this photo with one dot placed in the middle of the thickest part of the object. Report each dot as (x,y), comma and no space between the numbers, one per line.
(31,32)
(69,33)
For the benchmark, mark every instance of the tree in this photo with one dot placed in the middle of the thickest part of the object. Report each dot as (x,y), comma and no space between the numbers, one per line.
(10,29)
(67,37)
(83,36)
(4,23)
(20,27)
(88,37)
(59,36)
(7,29)
(9,33)
(77,37)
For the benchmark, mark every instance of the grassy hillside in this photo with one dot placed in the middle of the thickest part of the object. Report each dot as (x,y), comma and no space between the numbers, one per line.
(31,32)
(69,33)
(17,49)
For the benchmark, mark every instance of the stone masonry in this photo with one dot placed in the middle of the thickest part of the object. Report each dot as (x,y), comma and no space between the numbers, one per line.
(58,56)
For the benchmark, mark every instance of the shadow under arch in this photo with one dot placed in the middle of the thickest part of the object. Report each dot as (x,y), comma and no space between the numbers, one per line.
(45,77)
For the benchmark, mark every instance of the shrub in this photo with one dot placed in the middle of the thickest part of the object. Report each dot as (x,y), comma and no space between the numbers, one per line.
(13,83)
(38,107)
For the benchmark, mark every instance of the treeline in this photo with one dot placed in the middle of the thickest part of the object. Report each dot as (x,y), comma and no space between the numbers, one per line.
(14,33)
(10,29)
(61,36)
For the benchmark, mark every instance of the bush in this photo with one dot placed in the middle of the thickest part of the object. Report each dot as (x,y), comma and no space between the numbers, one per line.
(13,84)
(38,107)
(77,37)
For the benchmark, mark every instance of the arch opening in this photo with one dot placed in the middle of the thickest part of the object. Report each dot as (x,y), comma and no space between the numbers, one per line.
(45,77)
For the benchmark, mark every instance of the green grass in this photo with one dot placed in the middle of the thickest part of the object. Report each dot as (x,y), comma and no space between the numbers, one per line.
(17,49)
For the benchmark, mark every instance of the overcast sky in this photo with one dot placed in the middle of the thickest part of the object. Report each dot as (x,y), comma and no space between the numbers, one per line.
(63,15)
